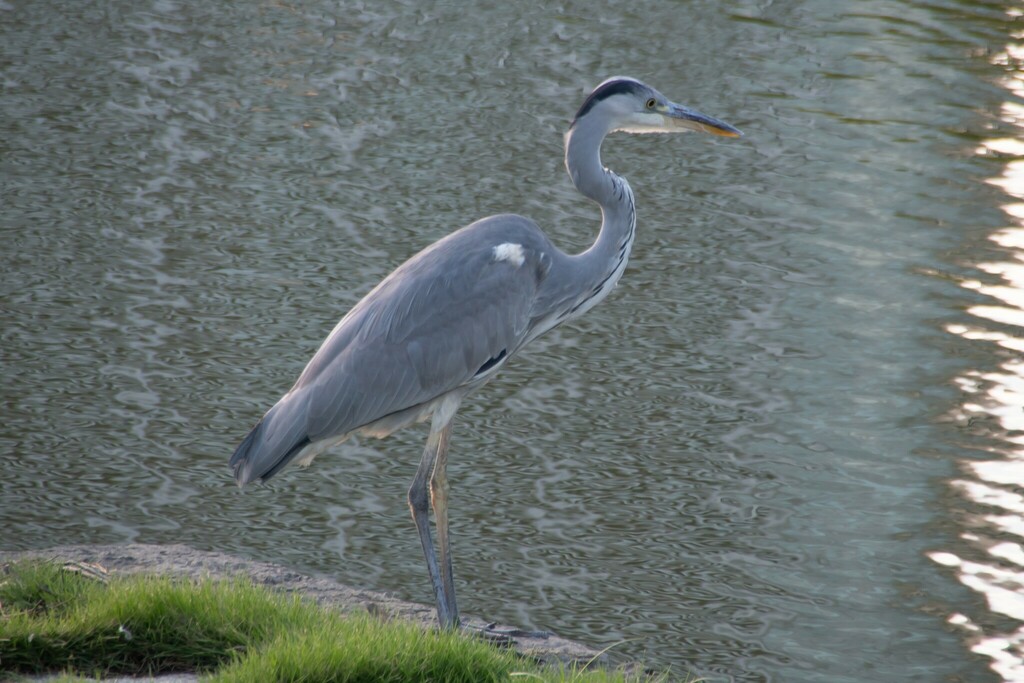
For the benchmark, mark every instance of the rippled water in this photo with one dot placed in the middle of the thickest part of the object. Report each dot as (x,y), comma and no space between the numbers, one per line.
(788,448)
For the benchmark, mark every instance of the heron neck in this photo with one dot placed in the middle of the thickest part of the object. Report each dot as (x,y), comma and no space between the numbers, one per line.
(611,192)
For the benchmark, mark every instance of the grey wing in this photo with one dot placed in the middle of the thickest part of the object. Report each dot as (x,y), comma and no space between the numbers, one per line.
(445,319)
(429,332)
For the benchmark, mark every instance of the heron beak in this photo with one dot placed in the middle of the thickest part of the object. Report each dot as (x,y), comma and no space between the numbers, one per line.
(679,117)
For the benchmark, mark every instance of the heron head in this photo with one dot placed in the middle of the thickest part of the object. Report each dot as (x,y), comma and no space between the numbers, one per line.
(626,104)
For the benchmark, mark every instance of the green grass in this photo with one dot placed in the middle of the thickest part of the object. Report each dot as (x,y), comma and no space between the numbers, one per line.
(230,631)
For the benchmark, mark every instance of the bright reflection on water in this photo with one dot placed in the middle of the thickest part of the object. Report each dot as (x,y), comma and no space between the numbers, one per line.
(787,448)
(992,563)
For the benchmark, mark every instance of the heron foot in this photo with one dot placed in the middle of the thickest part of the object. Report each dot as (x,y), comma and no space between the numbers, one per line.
(503,636)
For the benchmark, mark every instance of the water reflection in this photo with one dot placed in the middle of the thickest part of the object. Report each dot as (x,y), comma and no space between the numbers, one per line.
(992,413)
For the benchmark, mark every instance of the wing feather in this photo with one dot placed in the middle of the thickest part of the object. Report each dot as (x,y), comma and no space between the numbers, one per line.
(424,334)
(437,323)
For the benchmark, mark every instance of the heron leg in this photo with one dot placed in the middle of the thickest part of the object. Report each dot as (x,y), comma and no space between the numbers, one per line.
(439,488)
(419,503)
(430,489)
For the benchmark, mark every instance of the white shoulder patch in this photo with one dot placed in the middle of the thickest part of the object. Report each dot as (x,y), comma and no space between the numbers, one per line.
(511,252)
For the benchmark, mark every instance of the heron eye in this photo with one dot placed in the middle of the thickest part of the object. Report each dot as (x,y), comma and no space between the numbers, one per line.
(651,103)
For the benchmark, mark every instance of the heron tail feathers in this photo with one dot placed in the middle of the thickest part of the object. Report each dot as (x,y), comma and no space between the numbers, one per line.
(261,455)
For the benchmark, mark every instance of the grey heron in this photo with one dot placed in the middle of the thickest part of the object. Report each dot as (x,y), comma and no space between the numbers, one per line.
(447,320)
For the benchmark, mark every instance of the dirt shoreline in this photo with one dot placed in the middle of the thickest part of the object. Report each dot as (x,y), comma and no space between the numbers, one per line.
(184,561)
